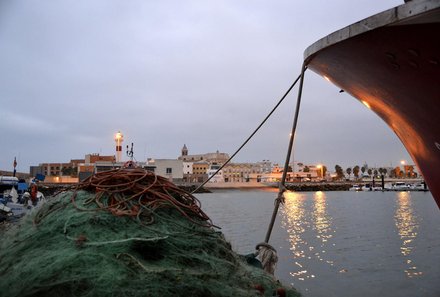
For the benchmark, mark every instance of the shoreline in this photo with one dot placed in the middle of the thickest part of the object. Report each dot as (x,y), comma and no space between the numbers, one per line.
(50,189)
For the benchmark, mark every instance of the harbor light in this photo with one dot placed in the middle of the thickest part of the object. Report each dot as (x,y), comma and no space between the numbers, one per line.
(119,138)
(319,166)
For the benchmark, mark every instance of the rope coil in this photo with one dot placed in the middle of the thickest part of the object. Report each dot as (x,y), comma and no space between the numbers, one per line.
(135,192)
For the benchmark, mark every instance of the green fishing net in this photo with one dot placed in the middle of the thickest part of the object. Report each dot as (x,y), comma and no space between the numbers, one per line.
(84,247)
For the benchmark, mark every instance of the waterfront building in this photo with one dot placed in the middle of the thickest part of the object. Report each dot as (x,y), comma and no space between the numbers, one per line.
(53,169)
(101,166)
(57,172)
(34,170)
(197,168)
(171,169)
(199,172)
(187,171)
(302,172)
(265,165)
(276,168)
(242,172)
(94,163)
(216,157)
(312,175)
(187,167)
(93,158)
(69,172)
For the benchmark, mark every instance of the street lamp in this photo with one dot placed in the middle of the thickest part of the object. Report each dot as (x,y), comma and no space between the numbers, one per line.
(322,170)
(403,162)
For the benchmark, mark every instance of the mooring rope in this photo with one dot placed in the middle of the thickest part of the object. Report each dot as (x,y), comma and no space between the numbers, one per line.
(268,256)
(282,184)
(249,138)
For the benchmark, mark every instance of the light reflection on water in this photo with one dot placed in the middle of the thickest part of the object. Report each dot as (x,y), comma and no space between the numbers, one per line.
(407,225)
(341,244)
(298,221)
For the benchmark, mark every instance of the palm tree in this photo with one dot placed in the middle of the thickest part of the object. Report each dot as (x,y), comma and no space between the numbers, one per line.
(356,171)
(348,170)
(381,171)
(339,172)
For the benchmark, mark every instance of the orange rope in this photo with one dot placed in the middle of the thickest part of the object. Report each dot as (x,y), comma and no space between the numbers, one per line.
(127,191)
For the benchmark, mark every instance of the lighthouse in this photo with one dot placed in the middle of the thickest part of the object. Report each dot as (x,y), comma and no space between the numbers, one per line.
(119,138)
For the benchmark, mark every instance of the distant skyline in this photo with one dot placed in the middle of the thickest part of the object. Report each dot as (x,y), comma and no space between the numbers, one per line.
(168,73)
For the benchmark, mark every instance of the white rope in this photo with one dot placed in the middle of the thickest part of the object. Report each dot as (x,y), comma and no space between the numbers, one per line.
(268,257)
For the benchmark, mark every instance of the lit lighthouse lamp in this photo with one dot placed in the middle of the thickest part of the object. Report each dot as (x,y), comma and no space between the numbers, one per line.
(119,138)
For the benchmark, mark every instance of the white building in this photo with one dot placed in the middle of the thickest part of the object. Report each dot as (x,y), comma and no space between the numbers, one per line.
(216,157)
(169,168)
(187,167)
(218,178)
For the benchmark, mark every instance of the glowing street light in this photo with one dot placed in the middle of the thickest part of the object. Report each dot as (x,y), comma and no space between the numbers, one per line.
(322,170)
(403,162)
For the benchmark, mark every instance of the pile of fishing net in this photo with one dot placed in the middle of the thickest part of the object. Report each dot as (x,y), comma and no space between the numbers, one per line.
(125,232)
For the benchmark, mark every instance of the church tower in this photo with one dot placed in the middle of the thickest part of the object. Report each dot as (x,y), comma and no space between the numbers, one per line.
(184,150)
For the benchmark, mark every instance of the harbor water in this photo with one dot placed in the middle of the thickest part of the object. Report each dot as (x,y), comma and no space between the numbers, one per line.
(339,243)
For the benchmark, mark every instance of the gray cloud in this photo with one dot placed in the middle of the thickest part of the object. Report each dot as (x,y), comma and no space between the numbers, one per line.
(172,72)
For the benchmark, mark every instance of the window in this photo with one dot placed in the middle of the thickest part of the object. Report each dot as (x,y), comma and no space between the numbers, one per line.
(169,170)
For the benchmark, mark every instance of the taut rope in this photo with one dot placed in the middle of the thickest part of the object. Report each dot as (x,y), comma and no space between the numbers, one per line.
(282,185)
(253,133)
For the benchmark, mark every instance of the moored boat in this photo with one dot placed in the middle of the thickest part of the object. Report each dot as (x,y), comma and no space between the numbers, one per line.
(15,201)
(400,186)
(356,188)
(391,63)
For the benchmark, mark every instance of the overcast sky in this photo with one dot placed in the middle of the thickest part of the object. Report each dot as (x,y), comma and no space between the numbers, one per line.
(167,73)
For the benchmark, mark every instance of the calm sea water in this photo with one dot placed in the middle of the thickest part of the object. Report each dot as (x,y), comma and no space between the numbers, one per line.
(339,243)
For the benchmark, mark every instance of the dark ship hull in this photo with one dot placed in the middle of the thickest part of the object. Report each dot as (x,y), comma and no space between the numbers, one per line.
(391,63)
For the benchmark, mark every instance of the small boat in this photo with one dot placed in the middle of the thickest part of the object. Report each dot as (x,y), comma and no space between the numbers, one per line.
(15,201)
(356,188)
(419,187)
(369,187)
(400,186)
